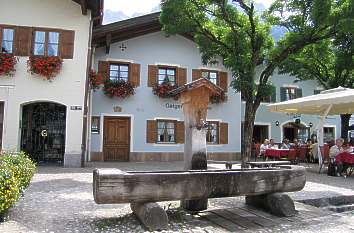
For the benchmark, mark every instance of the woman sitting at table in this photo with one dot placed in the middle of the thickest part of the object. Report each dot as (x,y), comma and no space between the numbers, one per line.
(272,144)
(264,147)
(285,144)
(334,151)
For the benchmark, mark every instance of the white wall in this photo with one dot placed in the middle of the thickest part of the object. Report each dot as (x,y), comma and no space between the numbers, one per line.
(308,87)
(155,48)
(67,88)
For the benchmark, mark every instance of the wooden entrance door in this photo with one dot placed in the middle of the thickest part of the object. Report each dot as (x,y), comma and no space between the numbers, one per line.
(116,139)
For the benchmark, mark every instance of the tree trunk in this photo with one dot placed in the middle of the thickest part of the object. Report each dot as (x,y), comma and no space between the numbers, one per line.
(246,150)
(345,126)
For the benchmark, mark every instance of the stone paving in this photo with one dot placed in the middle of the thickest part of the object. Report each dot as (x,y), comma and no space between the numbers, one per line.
(60,200)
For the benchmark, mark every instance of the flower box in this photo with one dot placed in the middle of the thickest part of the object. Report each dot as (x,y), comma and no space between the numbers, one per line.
(7,64)
(47,67)
(120,89)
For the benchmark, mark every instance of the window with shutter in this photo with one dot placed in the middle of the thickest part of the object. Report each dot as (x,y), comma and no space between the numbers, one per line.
(196,74)
(166,131)
(7,38)
(166,75)
(152,75)
(103,69)
(274,94)
(180,132)
(151,131)
(134,76)
(282,94)
(118,72)
(23,41)
(223,80)
(213,76)
(224,133)
(298,93)
(67,38)
(181,76)
(46,42)
(212,134)
(316,92)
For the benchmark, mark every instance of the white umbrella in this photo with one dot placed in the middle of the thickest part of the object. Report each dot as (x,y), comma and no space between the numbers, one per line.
(330,102)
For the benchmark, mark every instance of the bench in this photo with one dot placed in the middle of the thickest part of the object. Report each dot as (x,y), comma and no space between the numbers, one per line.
(143,189)
(228,164)
(268,164)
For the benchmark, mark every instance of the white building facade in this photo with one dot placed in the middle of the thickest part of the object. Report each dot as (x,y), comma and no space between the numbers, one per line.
(45,118)
(144,126)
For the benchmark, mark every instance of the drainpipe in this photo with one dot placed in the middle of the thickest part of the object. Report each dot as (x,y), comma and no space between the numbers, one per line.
(87,87)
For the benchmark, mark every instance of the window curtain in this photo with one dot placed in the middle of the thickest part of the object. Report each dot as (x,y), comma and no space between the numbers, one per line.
(7,40)
(53,43)
(39,43)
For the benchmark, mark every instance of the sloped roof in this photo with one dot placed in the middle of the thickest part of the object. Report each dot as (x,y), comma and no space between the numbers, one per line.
(126,29)
(96,7)
(202,82)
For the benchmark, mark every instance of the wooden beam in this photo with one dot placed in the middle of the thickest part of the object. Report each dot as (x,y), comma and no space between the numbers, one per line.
(108,42)
(83,4)
(115,186)
(151,215)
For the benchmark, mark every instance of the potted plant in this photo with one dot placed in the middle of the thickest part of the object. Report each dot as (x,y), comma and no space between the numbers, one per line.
(47,67)
(7,64)
(120,89)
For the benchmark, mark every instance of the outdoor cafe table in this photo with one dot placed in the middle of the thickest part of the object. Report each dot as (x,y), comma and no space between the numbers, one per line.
(345,157)
(276,153)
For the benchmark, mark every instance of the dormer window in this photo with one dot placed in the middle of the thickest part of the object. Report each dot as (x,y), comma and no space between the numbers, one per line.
(166,74)
(7,40)
(46,43)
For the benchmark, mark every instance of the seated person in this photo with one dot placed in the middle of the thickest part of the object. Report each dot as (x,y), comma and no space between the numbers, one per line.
(348,148)
(337,148)
(264,147)
(296,144)
(285,144)
(272,144)
(334,151)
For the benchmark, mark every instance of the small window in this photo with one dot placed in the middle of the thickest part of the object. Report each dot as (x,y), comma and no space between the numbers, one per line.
(95,124)
(7,40)
(211,75)
(46,43)
(290,93)
(167,75)
(212,135)
(166,131)
(119,72)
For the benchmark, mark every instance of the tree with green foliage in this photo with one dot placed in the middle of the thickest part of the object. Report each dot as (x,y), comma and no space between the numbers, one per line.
(235,32)
(330,63)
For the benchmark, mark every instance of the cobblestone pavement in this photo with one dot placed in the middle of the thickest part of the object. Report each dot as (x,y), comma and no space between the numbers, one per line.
(60,200)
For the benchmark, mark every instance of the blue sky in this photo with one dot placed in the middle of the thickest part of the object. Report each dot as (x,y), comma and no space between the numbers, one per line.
(131,8)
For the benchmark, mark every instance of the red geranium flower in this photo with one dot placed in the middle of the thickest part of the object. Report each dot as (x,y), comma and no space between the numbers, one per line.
(48,67)
(7,64)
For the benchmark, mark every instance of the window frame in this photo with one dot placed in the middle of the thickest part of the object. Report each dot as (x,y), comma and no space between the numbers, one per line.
(118,64)
(211,71)
(217,133)
(46,41)
(166,133)
(98,118)
(287,93)
(2,27)
(166,68)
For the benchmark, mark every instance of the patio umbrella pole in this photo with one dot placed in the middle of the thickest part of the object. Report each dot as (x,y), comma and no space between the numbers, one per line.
(319,131)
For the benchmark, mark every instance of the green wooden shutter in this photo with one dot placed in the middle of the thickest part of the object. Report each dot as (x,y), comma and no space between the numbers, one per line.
(274,94)
(282,93)
(316,92)
(298,92)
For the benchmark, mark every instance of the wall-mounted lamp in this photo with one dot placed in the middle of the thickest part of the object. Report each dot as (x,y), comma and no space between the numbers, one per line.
(310,124)
(297,121)
(277,123)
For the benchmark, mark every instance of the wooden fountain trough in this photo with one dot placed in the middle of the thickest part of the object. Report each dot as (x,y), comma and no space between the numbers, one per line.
(262,187)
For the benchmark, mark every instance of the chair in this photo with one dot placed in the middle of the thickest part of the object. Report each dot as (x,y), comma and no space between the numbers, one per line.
(302,153)
(324,153)
(257,151)
(292,156)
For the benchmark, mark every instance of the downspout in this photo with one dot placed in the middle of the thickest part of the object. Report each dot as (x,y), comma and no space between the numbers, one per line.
(87,87)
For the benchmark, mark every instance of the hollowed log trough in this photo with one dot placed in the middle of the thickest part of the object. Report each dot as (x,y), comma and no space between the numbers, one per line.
(262,188)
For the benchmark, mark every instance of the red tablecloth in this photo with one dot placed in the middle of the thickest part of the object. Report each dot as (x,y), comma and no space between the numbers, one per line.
(276,152)
(345,157)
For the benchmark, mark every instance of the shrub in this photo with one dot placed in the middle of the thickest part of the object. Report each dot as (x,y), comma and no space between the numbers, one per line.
(16,171)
